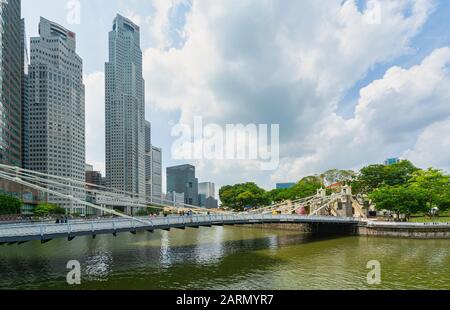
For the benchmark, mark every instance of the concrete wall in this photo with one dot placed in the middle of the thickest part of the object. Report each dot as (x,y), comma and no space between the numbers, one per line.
(427,232)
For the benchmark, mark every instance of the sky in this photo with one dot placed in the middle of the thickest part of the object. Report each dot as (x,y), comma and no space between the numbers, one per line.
(350,82)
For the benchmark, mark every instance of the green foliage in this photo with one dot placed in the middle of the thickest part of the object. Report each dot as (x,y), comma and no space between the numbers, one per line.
(306,187)
(10,205)
(399,199)
(239,196)
(46,209)
(374,176)
(425,190)
(436,187)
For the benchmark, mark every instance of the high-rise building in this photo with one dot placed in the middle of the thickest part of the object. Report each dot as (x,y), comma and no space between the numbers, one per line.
(156,173)
(56,115)
(11,68)
(125,109)
(181,179)
(207,195)
(153,167)
(148,160)
(25,108)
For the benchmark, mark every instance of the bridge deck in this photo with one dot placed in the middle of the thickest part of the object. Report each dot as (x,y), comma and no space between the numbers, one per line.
(19,233)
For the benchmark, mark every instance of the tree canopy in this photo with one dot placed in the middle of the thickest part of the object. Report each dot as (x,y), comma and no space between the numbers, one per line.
(374,176)
(9,205)
(45,209)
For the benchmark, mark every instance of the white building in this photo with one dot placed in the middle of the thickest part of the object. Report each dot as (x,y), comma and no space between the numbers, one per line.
(125,109)
(56,124)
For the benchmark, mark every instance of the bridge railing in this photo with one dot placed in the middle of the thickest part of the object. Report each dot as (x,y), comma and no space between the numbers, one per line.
(30,229)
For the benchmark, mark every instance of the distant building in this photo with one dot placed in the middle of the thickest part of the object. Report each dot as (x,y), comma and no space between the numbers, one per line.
(175,198)
(207,195)
(125,109)
(156,172)
(181,179)
(93,177)
(153,166)
(285,185)
(391,161)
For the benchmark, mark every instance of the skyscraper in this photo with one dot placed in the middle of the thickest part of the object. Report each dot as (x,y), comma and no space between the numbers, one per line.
(156,173)
(181,179)
(125,109)
(11,66)
(148,159)
(25,108)
(56,122)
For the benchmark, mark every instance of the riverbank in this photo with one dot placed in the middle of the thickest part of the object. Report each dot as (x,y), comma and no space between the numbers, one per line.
(374,229)
(406,230)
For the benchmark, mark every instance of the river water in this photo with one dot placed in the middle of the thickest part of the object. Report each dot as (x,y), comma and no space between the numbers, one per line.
(227,258)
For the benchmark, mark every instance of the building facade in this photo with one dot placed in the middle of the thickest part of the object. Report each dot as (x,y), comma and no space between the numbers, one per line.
(148,160)
(11,68)
(181,179)
(125,109)
(207,195)
(56,109)
(156,173)
(391,161)
(25,108)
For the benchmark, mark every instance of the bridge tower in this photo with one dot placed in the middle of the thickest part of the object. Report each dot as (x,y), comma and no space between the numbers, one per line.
(344,206)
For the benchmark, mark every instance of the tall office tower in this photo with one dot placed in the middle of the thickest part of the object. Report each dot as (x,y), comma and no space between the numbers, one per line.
(56,127)
(25,116)
(11,64)
(148,160)
(125,109)
(156,173)
(181,179)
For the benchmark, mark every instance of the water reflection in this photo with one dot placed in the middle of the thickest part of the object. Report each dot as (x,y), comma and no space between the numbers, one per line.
(227,258)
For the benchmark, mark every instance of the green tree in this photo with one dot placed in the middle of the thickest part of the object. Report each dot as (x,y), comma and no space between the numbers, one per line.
(239,196)
(436,188)
(374,176)
(308,186)
(400,199)
(46,209)
(10,205)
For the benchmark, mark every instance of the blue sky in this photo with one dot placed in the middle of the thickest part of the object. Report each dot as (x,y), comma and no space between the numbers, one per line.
(276,62)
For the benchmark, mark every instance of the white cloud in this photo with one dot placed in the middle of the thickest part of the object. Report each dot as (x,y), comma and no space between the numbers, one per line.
(257,62)
(432,147)
(405,106)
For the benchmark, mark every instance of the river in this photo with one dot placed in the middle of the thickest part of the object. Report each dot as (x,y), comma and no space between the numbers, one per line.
(227,258)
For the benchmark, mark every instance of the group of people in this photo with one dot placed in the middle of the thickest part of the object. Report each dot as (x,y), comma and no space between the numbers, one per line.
(61,220)
(184,213)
